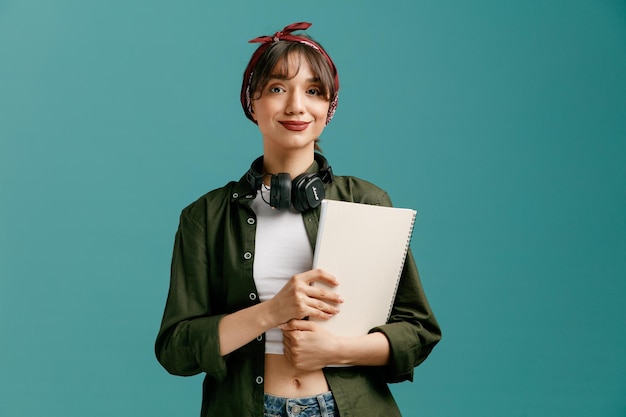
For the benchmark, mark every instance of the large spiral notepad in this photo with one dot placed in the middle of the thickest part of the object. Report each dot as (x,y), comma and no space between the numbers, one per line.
(364,247)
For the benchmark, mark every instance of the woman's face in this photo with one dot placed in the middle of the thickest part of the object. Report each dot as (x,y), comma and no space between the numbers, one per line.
(291,112)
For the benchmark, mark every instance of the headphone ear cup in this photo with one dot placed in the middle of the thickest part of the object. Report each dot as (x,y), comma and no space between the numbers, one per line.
(280,191)
(307,192)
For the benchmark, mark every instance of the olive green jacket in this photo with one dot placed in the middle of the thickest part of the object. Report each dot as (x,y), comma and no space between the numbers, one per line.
(211,276)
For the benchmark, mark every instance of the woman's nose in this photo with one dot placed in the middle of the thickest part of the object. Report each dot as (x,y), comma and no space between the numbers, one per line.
(295,103)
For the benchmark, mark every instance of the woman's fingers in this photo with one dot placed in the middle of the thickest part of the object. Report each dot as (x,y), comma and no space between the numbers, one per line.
(320,292)
(323,310)
(322,298)
(302,325)
(320,285)
(319,275)
(309,294)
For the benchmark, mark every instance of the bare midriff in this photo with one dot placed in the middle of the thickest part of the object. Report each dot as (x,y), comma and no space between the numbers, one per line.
(282,379)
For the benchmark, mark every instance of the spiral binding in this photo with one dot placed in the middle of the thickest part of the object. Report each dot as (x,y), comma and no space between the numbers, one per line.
(406,251)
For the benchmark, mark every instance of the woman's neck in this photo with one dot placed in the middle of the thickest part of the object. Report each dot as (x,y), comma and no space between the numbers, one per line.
(294,165)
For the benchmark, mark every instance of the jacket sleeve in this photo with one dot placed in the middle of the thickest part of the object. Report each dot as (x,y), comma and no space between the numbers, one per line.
(412,329)
(188,342)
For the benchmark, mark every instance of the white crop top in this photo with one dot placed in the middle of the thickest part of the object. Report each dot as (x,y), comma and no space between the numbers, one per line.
(282,249)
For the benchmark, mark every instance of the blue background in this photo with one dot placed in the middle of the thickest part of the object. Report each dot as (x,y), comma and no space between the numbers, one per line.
(503,123)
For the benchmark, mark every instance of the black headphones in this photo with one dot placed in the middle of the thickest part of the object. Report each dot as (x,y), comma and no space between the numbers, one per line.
(305,192)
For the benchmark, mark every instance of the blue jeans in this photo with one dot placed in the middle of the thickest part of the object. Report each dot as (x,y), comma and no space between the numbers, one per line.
(322,405)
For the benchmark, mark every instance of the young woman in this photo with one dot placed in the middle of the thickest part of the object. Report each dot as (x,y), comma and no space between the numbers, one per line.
(241,267)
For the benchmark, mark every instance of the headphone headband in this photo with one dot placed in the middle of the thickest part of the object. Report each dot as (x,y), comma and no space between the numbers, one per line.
(255,176)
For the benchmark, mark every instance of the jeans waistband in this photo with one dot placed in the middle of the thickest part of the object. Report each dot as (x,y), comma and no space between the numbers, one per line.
(317,405)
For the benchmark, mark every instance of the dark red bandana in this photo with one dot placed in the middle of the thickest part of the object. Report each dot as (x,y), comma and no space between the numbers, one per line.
(284,35)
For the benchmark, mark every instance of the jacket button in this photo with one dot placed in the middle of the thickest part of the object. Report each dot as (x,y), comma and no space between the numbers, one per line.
(259,380)
(235,195)
(252,296)
(250,220)
(259,338)
(247,256)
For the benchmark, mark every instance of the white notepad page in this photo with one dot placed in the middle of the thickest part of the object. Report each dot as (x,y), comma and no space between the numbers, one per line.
(364,247)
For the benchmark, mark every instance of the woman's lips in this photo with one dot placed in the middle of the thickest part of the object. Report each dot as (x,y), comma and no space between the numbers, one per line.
(294,125)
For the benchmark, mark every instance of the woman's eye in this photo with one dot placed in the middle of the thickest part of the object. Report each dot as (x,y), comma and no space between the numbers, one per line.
(314,91)
(275,89)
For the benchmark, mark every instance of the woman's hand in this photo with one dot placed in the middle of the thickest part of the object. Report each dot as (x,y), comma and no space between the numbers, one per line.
(298,299)
(309,346)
